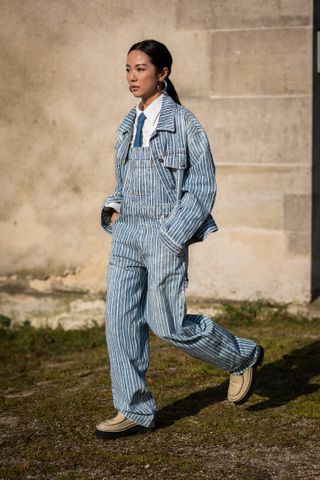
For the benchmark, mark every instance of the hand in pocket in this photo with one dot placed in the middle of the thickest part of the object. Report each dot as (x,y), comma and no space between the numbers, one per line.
(114,217)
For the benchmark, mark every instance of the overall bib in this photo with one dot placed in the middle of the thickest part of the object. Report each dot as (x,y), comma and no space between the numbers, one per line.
(146,288)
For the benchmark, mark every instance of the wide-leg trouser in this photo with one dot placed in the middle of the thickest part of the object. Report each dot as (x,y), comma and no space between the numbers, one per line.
(146,288)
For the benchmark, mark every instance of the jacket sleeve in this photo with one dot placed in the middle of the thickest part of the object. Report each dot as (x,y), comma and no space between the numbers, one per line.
(112,202)
(198,192)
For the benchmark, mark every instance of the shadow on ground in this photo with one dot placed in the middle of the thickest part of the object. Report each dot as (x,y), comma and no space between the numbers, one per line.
(191,405)
(281,381)
(289,378)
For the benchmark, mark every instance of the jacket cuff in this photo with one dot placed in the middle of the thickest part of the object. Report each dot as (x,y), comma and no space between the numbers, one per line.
(170,243)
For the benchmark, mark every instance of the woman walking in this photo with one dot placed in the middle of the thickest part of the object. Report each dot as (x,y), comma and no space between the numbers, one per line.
(165,190)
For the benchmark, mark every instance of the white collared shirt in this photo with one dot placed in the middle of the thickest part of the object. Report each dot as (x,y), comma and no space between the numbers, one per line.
(152,113)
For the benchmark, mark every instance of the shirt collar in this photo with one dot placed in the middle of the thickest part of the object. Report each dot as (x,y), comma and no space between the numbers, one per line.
(166,117)
(152,110)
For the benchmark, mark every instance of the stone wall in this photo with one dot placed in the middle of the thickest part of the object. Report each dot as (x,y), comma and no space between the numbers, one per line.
(243,67)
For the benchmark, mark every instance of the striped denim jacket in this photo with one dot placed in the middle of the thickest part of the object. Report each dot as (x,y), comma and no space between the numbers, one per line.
(183,160)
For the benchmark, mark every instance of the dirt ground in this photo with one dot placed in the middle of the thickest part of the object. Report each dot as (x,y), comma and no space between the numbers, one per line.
(55,388)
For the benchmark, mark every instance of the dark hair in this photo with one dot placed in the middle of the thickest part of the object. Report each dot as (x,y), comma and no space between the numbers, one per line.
(160,57)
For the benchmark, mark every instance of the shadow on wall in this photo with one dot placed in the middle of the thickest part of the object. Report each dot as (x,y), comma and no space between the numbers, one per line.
(315,267)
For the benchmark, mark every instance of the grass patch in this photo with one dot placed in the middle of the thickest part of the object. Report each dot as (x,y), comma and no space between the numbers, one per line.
(55,387)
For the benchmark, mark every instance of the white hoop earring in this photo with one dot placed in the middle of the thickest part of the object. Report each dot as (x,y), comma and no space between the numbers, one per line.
(165,87)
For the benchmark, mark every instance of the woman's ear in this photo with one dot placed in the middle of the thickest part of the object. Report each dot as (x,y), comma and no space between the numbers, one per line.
(164,74)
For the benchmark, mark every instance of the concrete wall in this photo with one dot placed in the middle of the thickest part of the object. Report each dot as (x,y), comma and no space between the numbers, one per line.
(243,67)
(315,254)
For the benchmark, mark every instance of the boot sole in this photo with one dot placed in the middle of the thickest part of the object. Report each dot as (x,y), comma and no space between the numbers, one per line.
(137,430)
(254,378)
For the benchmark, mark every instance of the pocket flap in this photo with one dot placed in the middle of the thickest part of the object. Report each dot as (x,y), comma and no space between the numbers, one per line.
(175,159)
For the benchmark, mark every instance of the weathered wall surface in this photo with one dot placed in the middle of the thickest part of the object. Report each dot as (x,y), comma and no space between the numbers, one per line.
(244,68)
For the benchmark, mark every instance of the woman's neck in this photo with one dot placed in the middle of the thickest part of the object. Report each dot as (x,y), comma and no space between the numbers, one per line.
(145,102)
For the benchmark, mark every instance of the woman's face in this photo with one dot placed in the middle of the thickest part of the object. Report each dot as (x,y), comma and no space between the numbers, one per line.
(142,75)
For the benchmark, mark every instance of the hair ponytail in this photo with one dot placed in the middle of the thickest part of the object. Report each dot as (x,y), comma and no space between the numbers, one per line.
(172,91)
(160,57)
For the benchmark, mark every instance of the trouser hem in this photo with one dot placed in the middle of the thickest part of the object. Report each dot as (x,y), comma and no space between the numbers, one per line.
(140,419)
(250,363)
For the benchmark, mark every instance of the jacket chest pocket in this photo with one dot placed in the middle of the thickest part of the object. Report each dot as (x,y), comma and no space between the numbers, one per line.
(175,162)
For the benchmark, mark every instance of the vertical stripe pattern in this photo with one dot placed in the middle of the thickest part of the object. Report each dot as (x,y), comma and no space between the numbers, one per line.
(184,162)
(146,283)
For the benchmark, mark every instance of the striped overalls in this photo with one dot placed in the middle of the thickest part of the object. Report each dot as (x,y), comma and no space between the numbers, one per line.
(146,288)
